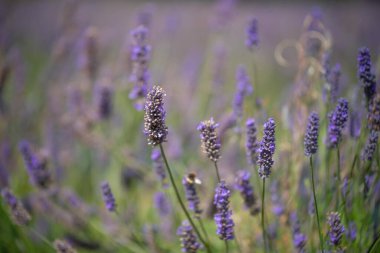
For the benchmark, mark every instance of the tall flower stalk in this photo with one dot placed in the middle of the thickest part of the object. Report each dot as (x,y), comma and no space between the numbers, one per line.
(156,131)
(265,163)
(311,148)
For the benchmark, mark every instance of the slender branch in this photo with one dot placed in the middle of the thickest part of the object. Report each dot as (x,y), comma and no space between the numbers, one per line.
(315,203)
(217,171)
(180,199)
(262,215)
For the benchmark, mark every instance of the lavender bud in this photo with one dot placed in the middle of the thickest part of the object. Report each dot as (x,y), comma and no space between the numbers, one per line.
(154,125)
(209,138)
(243,89)
(374,114)
(246,190)
(19,214)
(370,147)
(365,75)
(192,197)
(37,169)
(336,229)
(108,197)
(162,204)
(158,166)
(225,224)
(266,149)
(338,119)
(62,246)
(252,39)
(251,144)
(189,241)
(311,136)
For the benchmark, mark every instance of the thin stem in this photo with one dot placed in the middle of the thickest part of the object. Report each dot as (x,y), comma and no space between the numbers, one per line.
(338,176)
(226,244)
(262,215)
(237,244)
(217,171)
(43,238)
(372,247)
(315,203)
(353,165)
(180,200)
(203,229)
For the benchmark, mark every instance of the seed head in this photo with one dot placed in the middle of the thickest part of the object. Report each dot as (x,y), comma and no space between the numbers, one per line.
(210,140)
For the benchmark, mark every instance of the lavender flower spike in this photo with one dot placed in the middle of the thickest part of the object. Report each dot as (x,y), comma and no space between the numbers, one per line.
(267,148)
(243,89)
(189,242)
(370,147)
(374,114)
(365,75)
(19,214)
(104,102)
(62,246)
(154,118)
(192,197)
(252,34)
(311,136)
(108,197)
(336,229)
(251,144)
(338,119)
(299,239)
(225,224)
(246,190)
(210,141)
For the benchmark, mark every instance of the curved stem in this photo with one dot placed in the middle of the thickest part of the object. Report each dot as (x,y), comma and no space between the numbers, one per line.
(217,171)
(315,203)
(262,215)
(180,200)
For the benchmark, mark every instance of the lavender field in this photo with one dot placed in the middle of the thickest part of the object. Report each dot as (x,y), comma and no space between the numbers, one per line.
(189,126)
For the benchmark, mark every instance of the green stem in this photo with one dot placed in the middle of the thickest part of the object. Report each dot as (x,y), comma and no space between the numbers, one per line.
(42,238)
(315,203)
(217,171)
(338,176)
(203,229)
(237,244)
(226,244)
(372,247)
(262,215)
(180,199)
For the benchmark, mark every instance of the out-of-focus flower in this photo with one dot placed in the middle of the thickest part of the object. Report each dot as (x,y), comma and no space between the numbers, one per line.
(189,241)
(109,199)
(251,144)
(252,37)
(374,114)
(62,246)
(158,166)
(337,121)
(246,190)
(336,228)
(19,214)
(243,89)
(189,181)
(299,239)
(370,146)
(162,204)
(277,205)
(367,78)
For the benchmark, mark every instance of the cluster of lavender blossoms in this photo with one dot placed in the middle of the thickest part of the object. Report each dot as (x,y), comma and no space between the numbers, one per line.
(209,139)
(311,136)
(246,190)
(39,174)
(140,55)
(367,78)
(251,144)
(225,224)
(252,37)
(299,239)
(189,182)
(108,198)
(266,149)
(374,114)
(336,229)
(337,121)
(19,214)
(370,147)
(154,119)
(243,89)
(189,241)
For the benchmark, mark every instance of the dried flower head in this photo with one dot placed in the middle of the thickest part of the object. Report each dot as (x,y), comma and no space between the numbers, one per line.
(337,121)
(336,228)
(19,214)
(251,144)
(225,224)
(108,197)
(154,125)
(370,147)
(266,149)
(189,241)
(209,138)
(374,114)
(311,136)
(246,190)
(189,181)
(62,246)
(367,78)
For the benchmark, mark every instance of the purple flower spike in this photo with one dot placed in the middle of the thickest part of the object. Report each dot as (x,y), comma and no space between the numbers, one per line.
(210,140)
(374,114)
(189,241)
(338,119)
(154,119)
(246,190)
(108,197)
(370,147)
(299,239)
(251,143)
(311,136)
(368,80)
(225,224)
(104,102)
(243,89)
(19,214)
(162,204)
(252,34)
(267,148)
(189,183)
(336,229)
